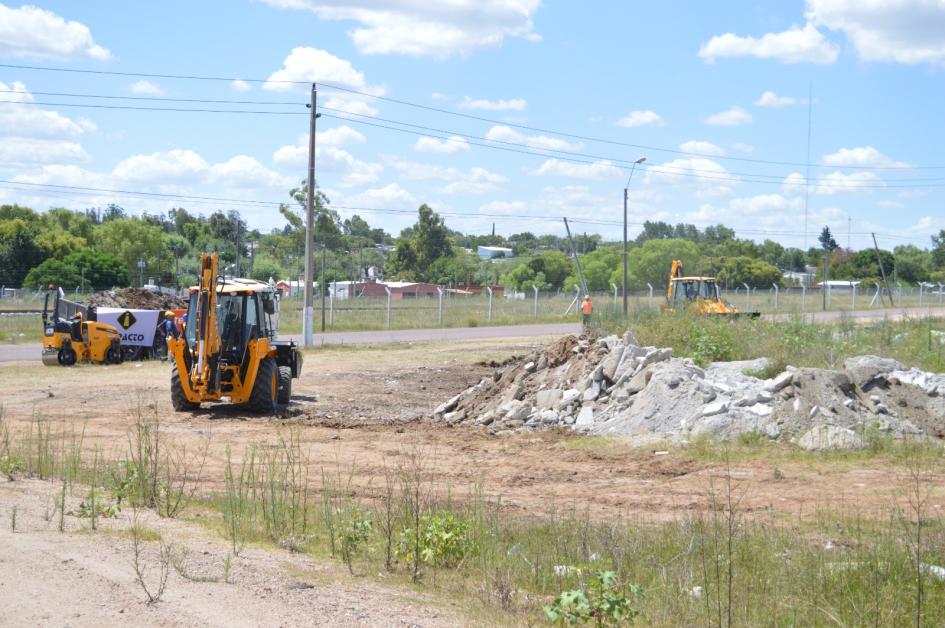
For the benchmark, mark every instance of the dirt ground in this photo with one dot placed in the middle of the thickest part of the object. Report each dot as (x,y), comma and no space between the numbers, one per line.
(364,408)
(358,409)
(83,579)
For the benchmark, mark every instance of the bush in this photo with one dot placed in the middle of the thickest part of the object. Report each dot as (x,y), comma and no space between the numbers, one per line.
(602,603)
(444,540)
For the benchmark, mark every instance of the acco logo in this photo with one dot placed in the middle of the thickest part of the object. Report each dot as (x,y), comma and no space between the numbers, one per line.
(132,337)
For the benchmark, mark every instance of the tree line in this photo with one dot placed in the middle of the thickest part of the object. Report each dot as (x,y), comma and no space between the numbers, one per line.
(100,248)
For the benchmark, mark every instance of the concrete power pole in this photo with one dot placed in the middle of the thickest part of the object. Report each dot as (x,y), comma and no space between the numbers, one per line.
(307,313)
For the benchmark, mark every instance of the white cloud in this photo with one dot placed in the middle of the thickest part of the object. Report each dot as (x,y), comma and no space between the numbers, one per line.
(795,45)
(389,195)
(770,99)
(641,118)
(178,165)
(32,32)
(476,180)
(733,116)
(437,29)
(147,88)
(22,151)
(312,65)
(696,147)
(839,183)
(889,204)
(743,148)
(503,207)
(243,171)
(502,133)
(439,96)
(899,31)
(764,203)
(329,158)
(240,85)
(598,170)
(20,118)
(512,104)
(342,106)
(336,136)
(793,184)
(708,178)
(861,156)
(454,144)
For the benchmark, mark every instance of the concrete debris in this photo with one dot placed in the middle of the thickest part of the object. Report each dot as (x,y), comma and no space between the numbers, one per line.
(615,386)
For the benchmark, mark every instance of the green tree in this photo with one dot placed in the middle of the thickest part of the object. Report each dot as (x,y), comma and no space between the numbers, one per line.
(651,262)
(265,267)
(555,266)
(938,250)
(420,247)
(826,240)
(735,271)
(599,267)
(53,272)
(19,251)
(101,270)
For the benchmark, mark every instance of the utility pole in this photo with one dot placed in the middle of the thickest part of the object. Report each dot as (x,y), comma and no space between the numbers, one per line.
(810,104)
(307,318)
(882,270)
(239,252)
(577,260)
(626,194)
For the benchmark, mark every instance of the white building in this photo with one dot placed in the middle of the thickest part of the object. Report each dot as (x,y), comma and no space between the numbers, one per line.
(491,252)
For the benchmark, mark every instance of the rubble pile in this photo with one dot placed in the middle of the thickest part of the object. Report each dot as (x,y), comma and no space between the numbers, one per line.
(137,299)
(615,386)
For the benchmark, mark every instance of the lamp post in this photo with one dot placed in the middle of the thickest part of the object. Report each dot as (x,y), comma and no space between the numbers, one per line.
(626,193)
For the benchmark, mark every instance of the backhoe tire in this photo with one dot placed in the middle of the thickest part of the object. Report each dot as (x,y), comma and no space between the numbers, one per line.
(265,388)
(178,399)
(285,385)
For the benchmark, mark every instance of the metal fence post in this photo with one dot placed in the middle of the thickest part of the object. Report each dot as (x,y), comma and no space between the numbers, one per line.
(921,286)
(649,299)
(614,286)
(875,296)
(853,307)
(803,297)
(489,290)
(776,295)
(535,288)
(331,303)
(748,292)
(387,290)
(939,294)
(439,293)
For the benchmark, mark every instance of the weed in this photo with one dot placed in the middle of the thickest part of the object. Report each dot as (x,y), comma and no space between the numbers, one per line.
(603,603)
(356,528)
(178,556)
(154,591)
(13,519)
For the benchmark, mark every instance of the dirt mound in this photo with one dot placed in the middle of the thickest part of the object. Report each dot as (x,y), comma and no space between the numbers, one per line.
(615,386)
(137,299)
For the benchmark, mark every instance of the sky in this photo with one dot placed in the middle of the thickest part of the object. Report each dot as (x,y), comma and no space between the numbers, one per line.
(507,112)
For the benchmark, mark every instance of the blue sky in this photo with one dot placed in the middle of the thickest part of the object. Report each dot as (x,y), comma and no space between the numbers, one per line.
(716,92)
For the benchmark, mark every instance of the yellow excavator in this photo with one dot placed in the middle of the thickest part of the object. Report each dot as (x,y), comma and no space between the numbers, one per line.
(700,295)
(68,337)
(228,349)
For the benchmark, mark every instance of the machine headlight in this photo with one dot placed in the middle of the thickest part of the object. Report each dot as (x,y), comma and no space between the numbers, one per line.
(49,330)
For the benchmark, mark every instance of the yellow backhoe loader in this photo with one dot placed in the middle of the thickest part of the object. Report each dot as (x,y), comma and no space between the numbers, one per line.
(68,337)
(228,349)
(700,295)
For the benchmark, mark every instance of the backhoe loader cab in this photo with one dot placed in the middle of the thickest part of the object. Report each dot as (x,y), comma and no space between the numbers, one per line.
(68,337)
(697,294)
(229,347)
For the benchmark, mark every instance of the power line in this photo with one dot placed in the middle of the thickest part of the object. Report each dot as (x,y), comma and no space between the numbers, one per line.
(407,103)
(446,135)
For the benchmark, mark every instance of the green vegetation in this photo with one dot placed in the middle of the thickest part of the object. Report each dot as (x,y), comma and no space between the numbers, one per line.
(716,566)
(916,342)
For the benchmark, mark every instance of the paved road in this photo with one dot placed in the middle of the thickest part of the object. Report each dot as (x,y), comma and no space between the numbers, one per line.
(31,352)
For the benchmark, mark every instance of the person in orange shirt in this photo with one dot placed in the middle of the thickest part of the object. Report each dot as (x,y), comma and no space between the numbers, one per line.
(586,309)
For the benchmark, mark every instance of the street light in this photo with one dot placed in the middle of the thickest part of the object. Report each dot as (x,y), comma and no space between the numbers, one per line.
(626,193)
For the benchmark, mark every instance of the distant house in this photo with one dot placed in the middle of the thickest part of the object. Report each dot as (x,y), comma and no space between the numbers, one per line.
(491,252)
(398,289)
(838,285)
(801,279)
